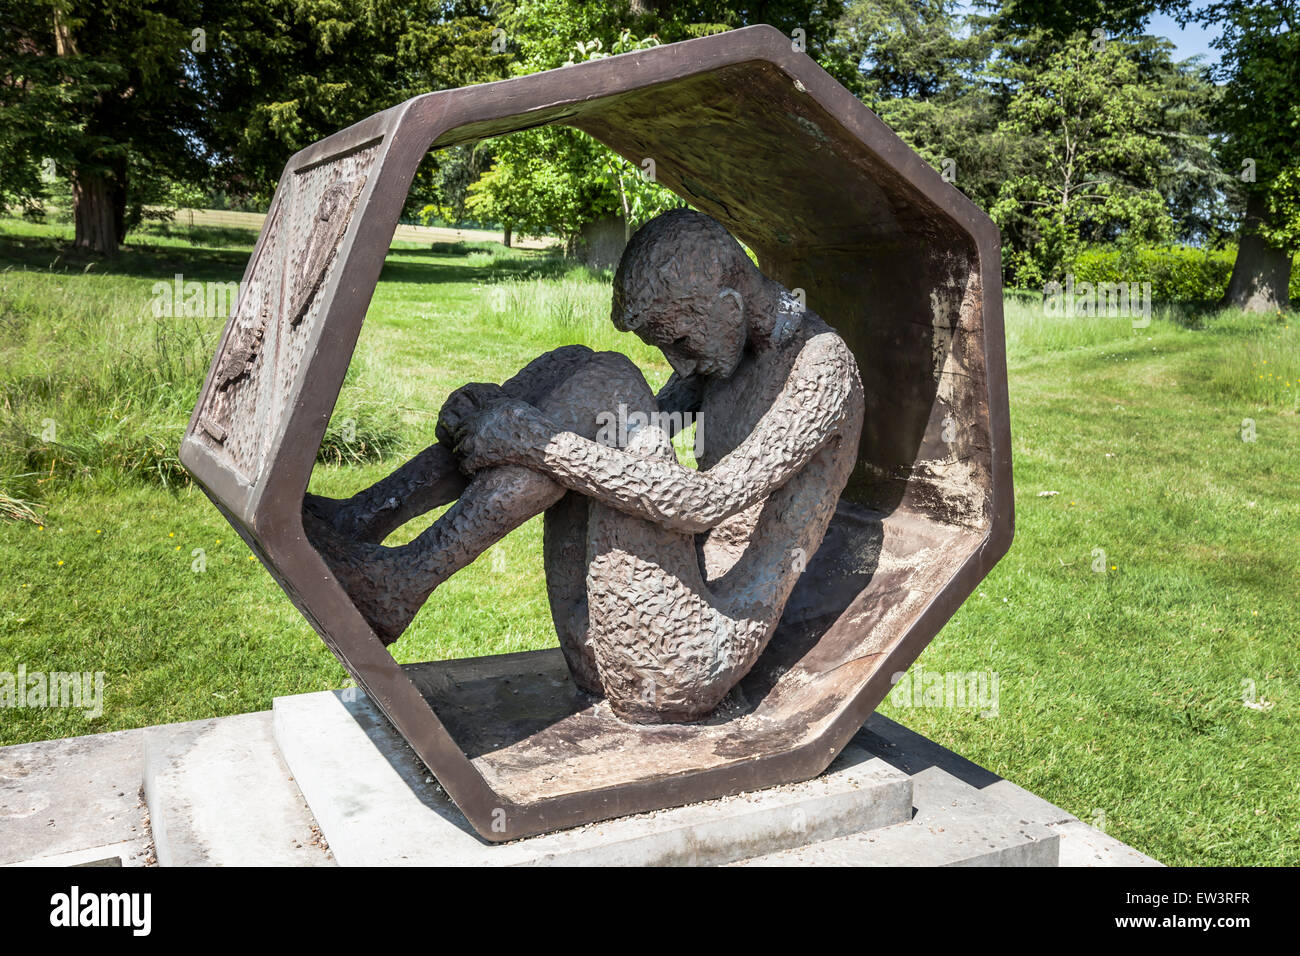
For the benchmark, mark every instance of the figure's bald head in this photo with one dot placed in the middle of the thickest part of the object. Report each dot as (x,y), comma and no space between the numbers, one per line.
(674,255)
(668,285)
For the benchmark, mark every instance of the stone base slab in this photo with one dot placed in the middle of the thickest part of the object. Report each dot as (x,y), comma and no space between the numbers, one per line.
(378,805)
(271,788)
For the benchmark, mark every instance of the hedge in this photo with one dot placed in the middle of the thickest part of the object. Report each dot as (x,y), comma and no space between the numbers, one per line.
(1178,273)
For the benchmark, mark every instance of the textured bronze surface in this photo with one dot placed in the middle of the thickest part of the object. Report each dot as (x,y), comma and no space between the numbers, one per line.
(665,582)
(903,267)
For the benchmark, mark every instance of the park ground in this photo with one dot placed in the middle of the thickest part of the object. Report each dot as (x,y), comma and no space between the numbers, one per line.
(1142,627)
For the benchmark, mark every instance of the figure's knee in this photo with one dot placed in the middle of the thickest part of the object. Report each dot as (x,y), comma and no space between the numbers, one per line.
(538,378)
(607,384)
(616,377)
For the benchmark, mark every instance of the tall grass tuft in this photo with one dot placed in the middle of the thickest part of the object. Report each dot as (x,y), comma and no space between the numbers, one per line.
(571,308)
(360,432)
(1260,366)
(13,507)
(93,384)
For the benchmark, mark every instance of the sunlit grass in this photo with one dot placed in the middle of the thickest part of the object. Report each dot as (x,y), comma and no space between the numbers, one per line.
(1263,368)
(572,308)
(1123,692)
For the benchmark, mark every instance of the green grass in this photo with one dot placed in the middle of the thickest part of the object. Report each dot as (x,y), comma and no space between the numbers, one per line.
(1121,691)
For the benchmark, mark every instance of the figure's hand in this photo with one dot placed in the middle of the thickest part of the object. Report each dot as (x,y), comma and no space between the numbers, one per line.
(461,404)
(496,434)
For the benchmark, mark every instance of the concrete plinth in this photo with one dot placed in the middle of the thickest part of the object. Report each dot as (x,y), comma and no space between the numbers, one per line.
(74,801)
(219,795)
(378,805)
(324,779)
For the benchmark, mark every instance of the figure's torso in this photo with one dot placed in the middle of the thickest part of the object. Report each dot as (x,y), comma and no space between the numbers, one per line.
(730,411)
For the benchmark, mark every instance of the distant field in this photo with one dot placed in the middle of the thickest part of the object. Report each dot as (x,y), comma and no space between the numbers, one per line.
(253,220)
(1156,697)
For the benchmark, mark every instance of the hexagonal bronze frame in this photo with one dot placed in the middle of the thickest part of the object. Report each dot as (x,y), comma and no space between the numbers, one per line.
(832,202)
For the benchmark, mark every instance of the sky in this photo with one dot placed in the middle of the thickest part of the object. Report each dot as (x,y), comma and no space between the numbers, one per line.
(1190,41)
(1193,40)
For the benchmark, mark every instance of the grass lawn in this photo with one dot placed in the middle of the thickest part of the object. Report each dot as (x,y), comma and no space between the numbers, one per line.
(1156,697)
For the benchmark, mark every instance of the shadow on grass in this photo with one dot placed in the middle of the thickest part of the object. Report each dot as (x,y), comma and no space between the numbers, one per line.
(462,248)
(137,259)
(141,259)
(213,237)
(541,265)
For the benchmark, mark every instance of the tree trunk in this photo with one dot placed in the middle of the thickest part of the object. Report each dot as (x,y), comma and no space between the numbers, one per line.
(602,242)
(117,190)
(98,204)
(1261,274)
(95,212)
(509,234)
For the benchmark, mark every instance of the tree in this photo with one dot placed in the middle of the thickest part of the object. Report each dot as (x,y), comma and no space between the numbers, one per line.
(1061,19)
(281,74)
(921,68)
(541,181)
(989,99)
(903,49)
(446,193)
(1192,180)
(557,179)
(1257,119)
(99,91)
(1090,166)
(1260,115)
(563,181)
(544,31)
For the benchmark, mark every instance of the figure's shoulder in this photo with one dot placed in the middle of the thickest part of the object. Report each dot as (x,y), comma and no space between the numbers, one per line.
(827,365)
(823,344)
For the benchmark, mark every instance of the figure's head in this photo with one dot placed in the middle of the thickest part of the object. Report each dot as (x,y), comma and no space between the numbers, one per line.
(679,287)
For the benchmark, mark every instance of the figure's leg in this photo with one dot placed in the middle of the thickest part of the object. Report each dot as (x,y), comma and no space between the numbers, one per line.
(609,380)
(432,478)
(665,650)
(662,647)
(389,585)
(429,480)
(564,553)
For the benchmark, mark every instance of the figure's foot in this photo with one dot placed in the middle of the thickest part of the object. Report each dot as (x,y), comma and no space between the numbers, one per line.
(323,509)
(342,514)
(369,574)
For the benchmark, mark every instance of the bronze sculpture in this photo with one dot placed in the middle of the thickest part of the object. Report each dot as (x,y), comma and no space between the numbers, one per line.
(753,133)
(665,583)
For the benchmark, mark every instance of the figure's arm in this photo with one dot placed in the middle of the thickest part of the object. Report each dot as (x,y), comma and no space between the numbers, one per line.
(812,405)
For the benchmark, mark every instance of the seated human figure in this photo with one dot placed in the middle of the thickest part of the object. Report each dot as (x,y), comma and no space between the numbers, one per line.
(665,582)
